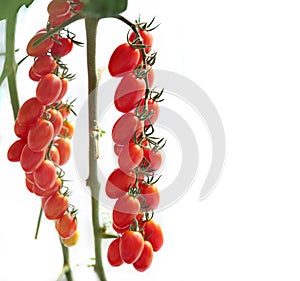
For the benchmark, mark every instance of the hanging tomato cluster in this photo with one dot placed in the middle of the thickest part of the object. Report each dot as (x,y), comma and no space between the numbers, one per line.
(133,183)
(42,124)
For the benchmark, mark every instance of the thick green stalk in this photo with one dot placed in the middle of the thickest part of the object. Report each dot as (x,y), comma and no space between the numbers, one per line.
(93,179)
(66,270)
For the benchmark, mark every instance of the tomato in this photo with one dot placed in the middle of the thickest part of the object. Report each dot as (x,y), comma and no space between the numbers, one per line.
(15,150)
(29,185)
(44,65)
(153,108)
(125,127)
(30,160)
(40,136)
(49,191)
(48,89)
(55,206)
(78,7)
(66,225)
(55,21)
(125,210)
(55,118)
(40,49)
(67,130)
(30,112)
(113,253)
(45,175)
(130,157)
(131,246)
(119,229)
(62,49)
(21,131)
(123,60)
(150,77)
(153,159)
(149,196)
(64,89)
(29,177)
(145,259)
(54,155)
(64,148)
(129,92)
(146,37)
(118,183)
(33,76)
(71,241)
(118,149)
(58,8)
(153,234)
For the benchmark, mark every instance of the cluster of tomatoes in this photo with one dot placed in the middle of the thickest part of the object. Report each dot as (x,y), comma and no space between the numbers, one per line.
(138,152)
(44,130)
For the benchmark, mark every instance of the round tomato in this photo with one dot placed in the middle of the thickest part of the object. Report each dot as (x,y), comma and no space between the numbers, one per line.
(71,241)
(64,148)
(44,65)
(40,49)
(125,210)
(48,89)
(129,92)
(30,160)
(145,259)
(146,37)
(123,60)
(55,206)
(66,225)
(56,119)
(45,175)
(62,48)
(30,112)
(131,246)
(15,150)
(113,253)
(40,136)
(149,196)
(125,127)
(153,234)
(130,157)
(67,130)
(118,183)
(58,8)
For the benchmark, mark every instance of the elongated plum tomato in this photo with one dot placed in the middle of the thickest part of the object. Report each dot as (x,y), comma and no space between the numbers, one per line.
(64,88)
(118,183)
(48,191)
(129,92)
(146,37)
(153,109)
(20,130)
(15,150)
(44,65)
(153,159)
(48,89)
(125,127)
(30,112)
(149,196)
(54,155)
(145,259)
(58,8)
(40,136)
(40,49)
(125,211)
(45,174)
(64,148)
(130,157)
(71,241)
(62,49)
(66,225)
(30,160)
(131,246)
(56,119)
(153,233)
(113,253)
(123,60)
(55,206)
(33,76)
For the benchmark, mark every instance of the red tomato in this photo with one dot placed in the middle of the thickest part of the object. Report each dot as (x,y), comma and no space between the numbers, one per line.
(129,92)
(20,130)
(56,119)
(150,77)
(145,259)
(118,149)
(49,191)
(55,206)
(131,246)
(149,196)
(153,233)
(30,160)
(29,177)
(33,76)
(30,112)
(118,183)
(58,8)
(124,128)
(113,253)
(123,60)
(146,37)
(55,21)
(66,226)
(54,155)
(40,136)
(67,130)
(153,159)
(130,157)
(15,150)
(77,8)
(64,148)
(125,210)
(119,229)
(153,108)
(48,89)
(45,175)
(40,49)
(64,89)
(62,49)
(44,65)
(29,185)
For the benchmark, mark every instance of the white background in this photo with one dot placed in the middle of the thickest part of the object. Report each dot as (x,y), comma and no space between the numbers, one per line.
(246,56)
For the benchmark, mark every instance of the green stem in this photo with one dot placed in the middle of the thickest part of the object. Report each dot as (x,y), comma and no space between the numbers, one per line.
(66,270)
(38,223)
(93,180)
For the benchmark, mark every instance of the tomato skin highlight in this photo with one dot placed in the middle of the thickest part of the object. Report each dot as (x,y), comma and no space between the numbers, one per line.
(66,225)
(30,160)
(15,150)
(130,157)
(30,112)
(145,259)
(55,206)
(40,136)
(40,49)
(113,253)
(129,92)
(153,234)
(48,89)
(44,65)
(123,60)
(131,246)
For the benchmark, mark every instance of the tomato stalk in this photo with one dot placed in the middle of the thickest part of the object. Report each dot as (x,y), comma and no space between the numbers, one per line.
(93,179)
(66,270)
